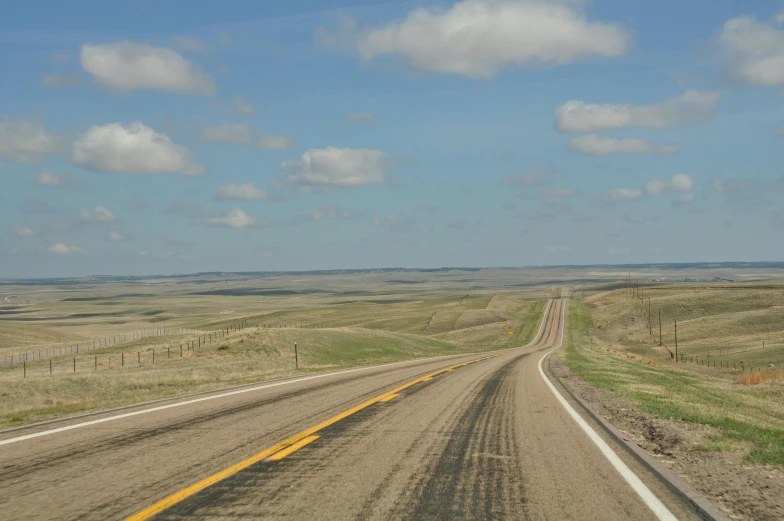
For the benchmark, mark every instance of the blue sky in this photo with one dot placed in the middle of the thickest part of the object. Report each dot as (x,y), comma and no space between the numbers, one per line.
(145,137)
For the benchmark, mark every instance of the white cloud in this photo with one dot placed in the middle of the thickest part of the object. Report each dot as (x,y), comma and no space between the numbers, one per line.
(235,133)
(393,222)
(275,142)
(71,79)
(243,192)
(619,195)
(690,108)
(62,249)
(477,38)
(126,66)
(24,231)
(242,106)
(187,44)
(132,149)
(99,214)
(684,200)
(333,166)
(48,179)
(234,218)
(678,183)
(328,212)
(27,141)
(753,51)
(362,117)
(778,131)
(115,236)
(595,145)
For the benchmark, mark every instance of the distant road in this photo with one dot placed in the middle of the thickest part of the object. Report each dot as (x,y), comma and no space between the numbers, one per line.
(476,437)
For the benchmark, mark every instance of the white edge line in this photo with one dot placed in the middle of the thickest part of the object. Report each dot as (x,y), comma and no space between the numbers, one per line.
(232,393)
(197,400)
(648,497)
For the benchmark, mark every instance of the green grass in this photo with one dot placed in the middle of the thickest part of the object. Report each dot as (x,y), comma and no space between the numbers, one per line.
(529,324)
(744,416)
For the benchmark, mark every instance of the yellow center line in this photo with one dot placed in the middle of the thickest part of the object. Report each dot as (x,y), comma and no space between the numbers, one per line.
(390,397)
(285,452)
(286,444)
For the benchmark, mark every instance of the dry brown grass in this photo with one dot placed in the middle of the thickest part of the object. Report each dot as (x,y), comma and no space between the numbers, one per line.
(760,377)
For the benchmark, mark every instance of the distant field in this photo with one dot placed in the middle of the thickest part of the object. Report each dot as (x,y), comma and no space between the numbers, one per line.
(727,322)
(335,323)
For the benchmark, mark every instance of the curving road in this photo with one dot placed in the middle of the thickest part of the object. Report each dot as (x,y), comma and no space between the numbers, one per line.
(463,437)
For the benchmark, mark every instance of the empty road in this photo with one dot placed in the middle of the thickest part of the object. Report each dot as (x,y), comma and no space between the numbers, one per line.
(475,437)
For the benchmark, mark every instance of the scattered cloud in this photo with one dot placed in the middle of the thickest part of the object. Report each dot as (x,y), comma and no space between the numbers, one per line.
(242,192)
(187,44)
(328,212)
(127,66)
(115,236)
(275,142)
(478,38)
(69,79)
(639,219)
(24,231)
(99,214)
(592,144)
(132,149)
(361,117)
(684,200)
(392,222)
(618,195)
(242,106)
(338,167)
(678,183)
(778,131)
(28,141)
(690,108)
(186,209)
(62,249)
(233,133)
(47,179)
(234,218)
(753,51)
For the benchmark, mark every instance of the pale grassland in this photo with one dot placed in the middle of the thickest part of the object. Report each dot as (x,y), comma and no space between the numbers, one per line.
(336,330)
(623,358)
(723,322)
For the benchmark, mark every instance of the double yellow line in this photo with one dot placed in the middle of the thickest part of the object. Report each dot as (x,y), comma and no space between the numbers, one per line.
(284,448)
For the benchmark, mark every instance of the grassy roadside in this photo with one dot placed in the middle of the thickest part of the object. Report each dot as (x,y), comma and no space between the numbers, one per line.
(251,355)
(750,419)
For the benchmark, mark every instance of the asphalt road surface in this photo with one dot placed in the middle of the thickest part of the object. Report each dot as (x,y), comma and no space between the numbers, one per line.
(469,437)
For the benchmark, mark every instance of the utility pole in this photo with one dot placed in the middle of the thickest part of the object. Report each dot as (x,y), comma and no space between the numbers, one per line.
(676,341)
(660,331)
